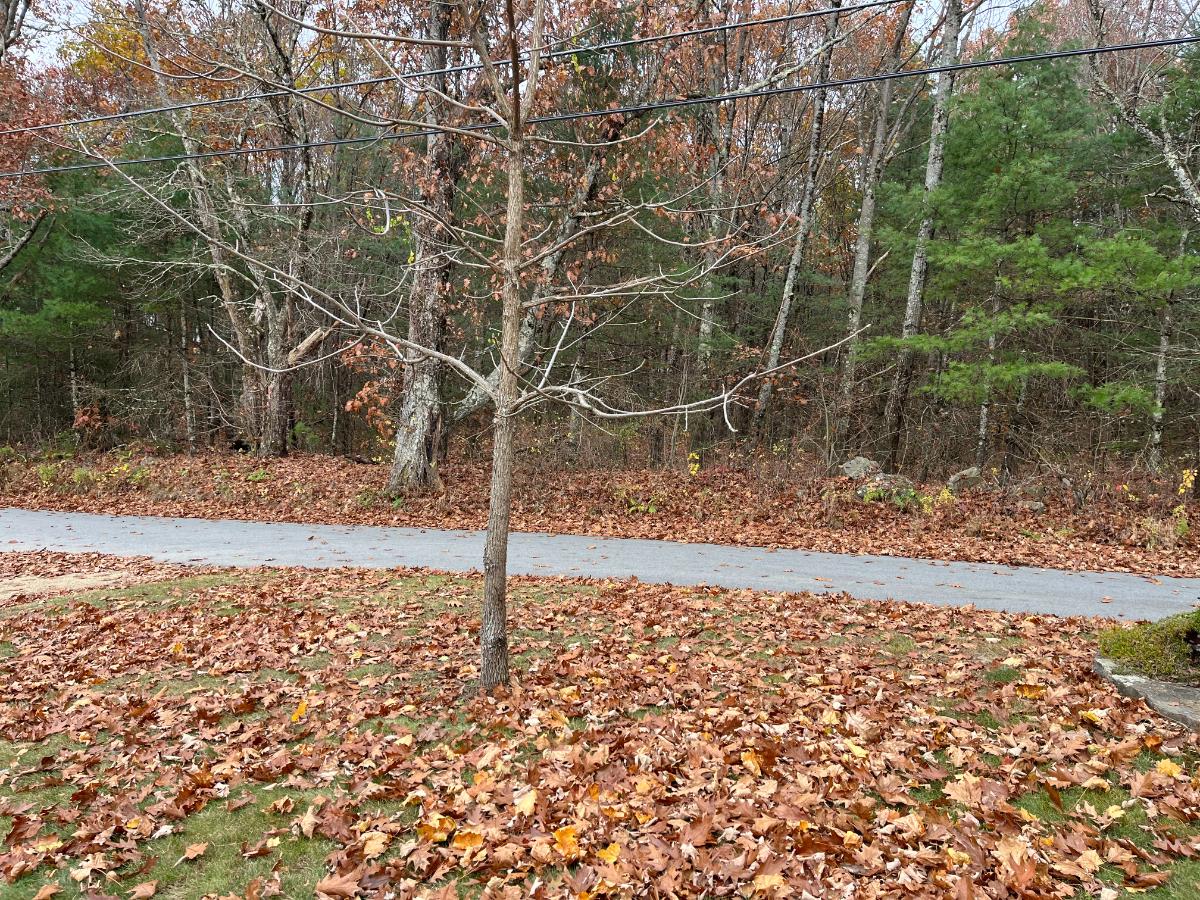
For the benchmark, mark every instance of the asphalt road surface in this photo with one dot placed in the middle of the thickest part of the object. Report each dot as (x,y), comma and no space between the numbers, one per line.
(235,543)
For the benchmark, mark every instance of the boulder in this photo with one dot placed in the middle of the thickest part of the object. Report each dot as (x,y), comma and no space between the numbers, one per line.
(892,488)
(859,468)
(1037,507)
(964,480)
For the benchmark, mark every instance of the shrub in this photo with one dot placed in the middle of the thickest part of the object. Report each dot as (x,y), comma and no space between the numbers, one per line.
(1167,649)
(638,502)
(47,474)
(84,479)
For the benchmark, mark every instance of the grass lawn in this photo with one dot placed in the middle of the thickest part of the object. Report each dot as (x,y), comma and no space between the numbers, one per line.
(280,733)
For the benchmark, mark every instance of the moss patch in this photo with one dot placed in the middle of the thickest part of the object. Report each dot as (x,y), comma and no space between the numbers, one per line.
(1168,649)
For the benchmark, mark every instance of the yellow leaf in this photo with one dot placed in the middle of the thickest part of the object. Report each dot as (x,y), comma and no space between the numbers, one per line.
(750,760)
(610,853)
(466,840)
(957,857)
(1169,768)
(1095,716)
(526,802)
(1031,691)
(436,828)
(1114,812)
(177,648)
(1089,861)
(300,712)
(765,882)
(856,750)
(374,843)
(565,841)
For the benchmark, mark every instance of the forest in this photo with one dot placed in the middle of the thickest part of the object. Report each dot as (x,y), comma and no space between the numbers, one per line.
(994,264)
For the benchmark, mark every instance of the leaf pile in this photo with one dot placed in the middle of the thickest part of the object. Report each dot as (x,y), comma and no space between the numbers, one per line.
(657,742)
(48,564)
(1115,530)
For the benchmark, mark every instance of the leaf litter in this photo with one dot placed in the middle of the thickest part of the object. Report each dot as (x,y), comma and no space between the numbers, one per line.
(656,741)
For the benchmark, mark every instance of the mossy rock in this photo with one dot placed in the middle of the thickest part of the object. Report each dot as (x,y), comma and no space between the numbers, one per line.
(1168,649)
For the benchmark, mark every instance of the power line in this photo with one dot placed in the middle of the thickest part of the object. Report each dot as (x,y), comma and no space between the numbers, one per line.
(452,70)
(624,110)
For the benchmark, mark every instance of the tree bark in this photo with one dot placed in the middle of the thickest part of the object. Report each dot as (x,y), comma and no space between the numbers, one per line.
(982,445)
(493,632)
(185,364)
(902,381)
(414,461)
(1165,324)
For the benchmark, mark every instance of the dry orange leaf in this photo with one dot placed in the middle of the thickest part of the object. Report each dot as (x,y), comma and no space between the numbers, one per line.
(566,842)
(195,851)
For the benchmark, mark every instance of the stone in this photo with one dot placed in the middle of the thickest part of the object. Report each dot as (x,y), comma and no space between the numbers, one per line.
(895,488)
(965,480)
(859,468)
(1177,702)
(1037,507)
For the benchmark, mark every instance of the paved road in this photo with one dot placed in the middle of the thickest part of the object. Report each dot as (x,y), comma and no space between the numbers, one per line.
(234,543)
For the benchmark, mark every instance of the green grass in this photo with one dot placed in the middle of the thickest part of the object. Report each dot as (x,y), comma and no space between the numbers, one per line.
(1168,648)
(222,867)
(1130,826)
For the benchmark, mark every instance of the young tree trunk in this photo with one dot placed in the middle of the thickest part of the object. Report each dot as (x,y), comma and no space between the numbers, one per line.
(902,380)
(808,196)
(982,445)
(185,362)
(1165,323)
(493,631)
(73,375)
(414,462)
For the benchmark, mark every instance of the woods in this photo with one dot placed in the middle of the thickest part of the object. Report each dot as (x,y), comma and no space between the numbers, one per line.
(1019,241)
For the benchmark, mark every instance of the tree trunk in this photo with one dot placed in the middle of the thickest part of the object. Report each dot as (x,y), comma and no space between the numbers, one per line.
(1165,322)
(73,375)
(902,380)
(276,407)
(493,631)
(277,384)
(185,362)
(414,462)
(808,195)
(872,168)
(985,406)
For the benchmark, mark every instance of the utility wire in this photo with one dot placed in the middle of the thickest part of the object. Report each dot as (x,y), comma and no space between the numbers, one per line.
(547,54)
(622,110)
